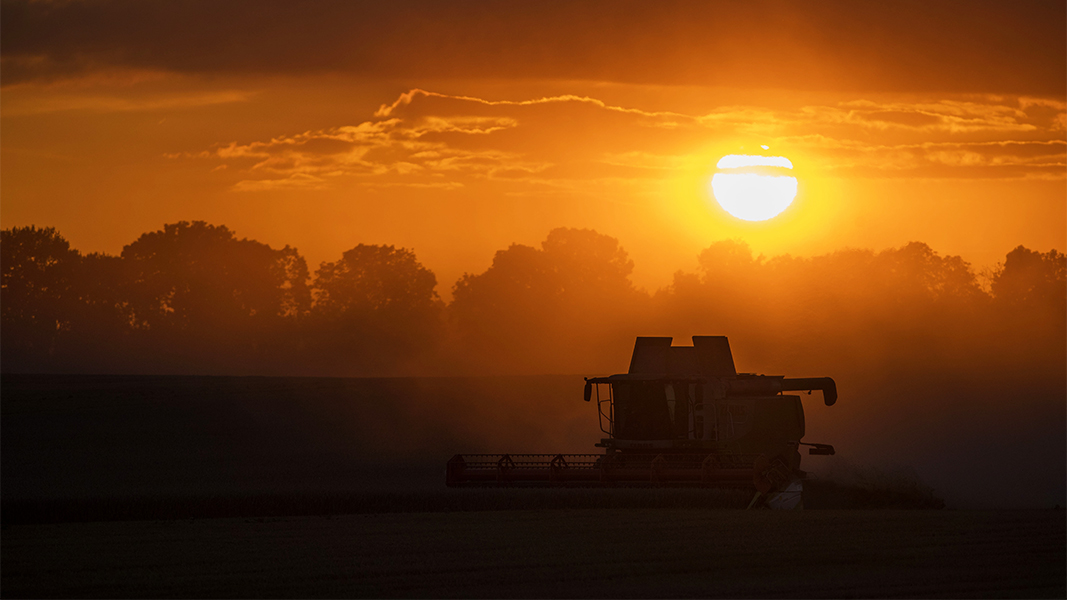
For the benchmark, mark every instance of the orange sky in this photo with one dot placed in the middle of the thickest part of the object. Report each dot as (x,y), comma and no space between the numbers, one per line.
(456,130)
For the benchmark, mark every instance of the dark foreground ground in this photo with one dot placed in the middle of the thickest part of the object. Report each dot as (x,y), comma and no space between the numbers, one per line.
(549,553)
(119,486)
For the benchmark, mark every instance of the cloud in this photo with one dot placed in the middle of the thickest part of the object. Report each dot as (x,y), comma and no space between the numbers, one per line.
(941,46)
(413,152)
(407,98)
(295,181)
(433,140)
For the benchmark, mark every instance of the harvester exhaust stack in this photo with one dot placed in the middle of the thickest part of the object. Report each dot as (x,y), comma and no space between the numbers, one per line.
(681,415)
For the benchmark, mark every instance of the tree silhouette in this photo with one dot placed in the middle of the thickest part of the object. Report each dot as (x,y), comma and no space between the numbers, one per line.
(785,304)
(727,260)
(37,303)
(1032,279)
(587,263)
(100,337)
(519,288)
(374,279)
(199,275)
(916,272)
(375,307)
(193,298)
(201,295)
(553,302)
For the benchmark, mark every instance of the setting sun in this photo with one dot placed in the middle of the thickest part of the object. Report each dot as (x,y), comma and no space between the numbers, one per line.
(749,188)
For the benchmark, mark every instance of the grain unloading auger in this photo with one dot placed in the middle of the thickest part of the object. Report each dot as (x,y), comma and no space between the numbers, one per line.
(681,416)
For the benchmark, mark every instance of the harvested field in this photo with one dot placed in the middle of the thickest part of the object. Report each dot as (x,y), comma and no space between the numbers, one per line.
(550,553)
(276,487)
(178,439)
(104,437)
(817,495)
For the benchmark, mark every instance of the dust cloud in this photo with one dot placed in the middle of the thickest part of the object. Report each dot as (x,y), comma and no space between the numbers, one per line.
(954,374)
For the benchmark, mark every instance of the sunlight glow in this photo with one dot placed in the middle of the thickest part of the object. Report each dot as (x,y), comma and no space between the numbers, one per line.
(737,161)
(753,197)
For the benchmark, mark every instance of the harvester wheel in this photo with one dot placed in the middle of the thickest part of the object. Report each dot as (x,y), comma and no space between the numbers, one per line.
(770,474)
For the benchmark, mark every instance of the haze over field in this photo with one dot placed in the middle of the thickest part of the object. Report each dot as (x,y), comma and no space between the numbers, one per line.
(935,372)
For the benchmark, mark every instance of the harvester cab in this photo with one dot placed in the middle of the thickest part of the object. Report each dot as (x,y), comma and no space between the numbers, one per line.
(691,398)
(681,415)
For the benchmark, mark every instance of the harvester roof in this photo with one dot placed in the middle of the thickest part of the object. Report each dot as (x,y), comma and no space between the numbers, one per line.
(709,356)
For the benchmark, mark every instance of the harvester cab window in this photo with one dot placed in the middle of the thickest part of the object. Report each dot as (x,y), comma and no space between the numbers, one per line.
(652,410)
(641,411)
(668,392)
(696,415)
(679,400)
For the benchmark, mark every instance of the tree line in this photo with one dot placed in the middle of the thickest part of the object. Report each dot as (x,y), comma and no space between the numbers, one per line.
(194,298)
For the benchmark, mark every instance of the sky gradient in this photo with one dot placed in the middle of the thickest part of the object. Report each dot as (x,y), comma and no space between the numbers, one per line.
(456,131)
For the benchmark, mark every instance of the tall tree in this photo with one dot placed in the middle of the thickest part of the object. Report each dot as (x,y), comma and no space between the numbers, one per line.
(376,310)
(372,278)
(37,304)
(199,275)
(546,309)
(202,294)
(1033,279)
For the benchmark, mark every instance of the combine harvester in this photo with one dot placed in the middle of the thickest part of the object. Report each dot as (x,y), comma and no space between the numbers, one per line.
(681,416)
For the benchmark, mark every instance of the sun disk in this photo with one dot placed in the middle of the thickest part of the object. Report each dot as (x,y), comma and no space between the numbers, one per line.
(753,196)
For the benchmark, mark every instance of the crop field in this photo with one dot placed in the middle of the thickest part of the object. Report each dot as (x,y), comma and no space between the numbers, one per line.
(276,487)
(113,437)
(549,553)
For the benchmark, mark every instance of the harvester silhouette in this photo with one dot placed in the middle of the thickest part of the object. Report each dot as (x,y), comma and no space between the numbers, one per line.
(681,416)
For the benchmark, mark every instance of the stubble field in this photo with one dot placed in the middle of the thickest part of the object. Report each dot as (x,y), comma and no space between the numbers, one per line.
(278,487)
(549,553)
